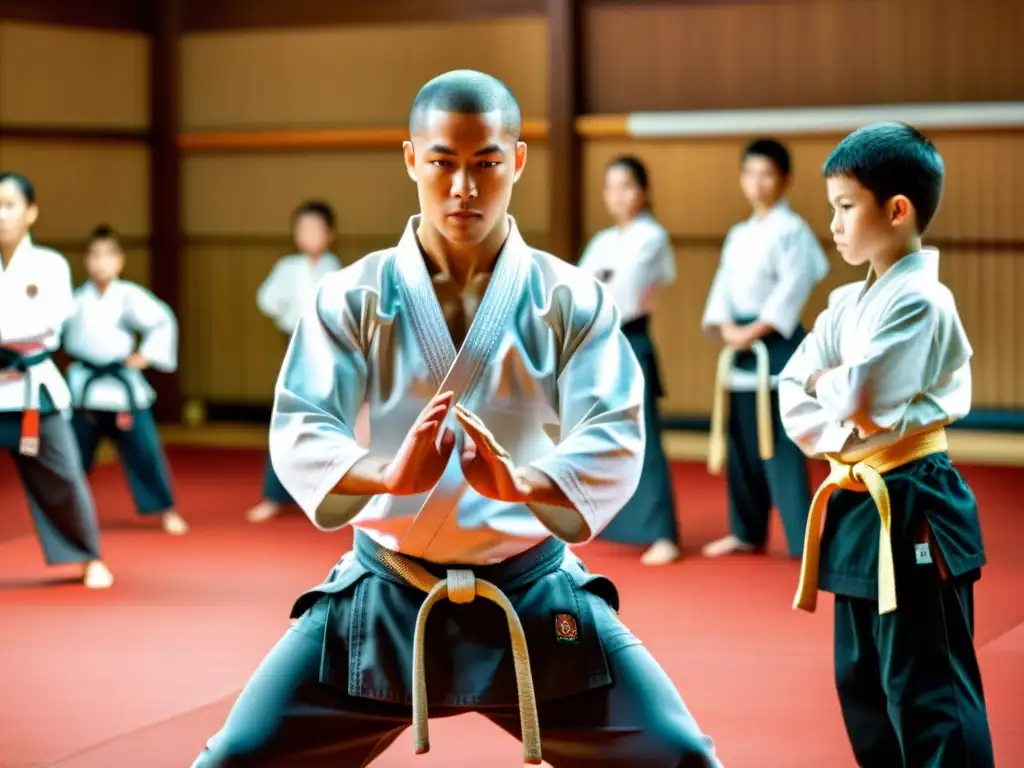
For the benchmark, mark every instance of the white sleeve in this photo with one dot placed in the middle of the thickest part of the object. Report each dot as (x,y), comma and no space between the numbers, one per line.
(806,421)
(656,260)
(152,318)
(273,297)
(319,392)
(717,309)
(801,266)
(600,404)
(895,363)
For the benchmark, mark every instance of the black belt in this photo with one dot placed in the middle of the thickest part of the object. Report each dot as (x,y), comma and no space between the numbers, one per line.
(117,371)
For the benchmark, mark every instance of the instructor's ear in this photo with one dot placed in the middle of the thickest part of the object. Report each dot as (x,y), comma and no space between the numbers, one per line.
(520,160)
(410,159)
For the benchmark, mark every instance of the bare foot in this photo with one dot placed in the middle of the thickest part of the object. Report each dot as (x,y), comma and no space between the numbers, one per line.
(727,545)
(174,524)
(96,575)
(661,552)
(263,511)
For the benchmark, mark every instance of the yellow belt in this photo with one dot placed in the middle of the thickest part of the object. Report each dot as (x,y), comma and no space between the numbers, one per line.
(720,407)
(461,586)
(864,475)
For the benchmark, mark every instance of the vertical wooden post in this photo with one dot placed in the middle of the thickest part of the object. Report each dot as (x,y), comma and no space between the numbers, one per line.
(565,101)
(165,181)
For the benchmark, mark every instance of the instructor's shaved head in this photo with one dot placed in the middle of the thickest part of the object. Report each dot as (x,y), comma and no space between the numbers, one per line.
(465,91)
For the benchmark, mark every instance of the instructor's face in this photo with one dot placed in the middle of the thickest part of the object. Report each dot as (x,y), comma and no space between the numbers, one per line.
(464,166)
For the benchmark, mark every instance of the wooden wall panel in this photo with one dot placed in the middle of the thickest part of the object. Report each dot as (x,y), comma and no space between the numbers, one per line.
(738,53)
(71,77)
(237,211)
(979,229)
(351,76)
(81,185)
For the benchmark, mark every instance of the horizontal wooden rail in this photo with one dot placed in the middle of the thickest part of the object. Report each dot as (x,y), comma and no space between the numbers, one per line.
(101,135)
(315,139)
(990,117)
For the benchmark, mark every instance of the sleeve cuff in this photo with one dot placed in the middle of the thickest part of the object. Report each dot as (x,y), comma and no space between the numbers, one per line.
(329,511)
(781,321)
(583,506)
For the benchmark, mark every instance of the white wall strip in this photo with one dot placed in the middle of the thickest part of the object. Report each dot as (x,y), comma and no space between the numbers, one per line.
(748,122)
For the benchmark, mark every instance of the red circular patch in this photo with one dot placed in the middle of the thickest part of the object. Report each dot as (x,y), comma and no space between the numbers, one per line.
(565,627)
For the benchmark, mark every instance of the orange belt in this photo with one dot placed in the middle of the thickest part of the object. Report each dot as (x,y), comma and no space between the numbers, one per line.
(864,475)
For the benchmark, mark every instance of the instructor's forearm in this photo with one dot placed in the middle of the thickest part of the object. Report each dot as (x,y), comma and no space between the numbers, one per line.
(365,478)
(552,507)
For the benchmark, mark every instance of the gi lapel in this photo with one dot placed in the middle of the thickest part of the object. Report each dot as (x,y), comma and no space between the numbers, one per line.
(451,369)
(456,370)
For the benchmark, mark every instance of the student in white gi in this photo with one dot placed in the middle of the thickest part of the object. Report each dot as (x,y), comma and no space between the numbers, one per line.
(35,300)
(872,388)
(770,264)
(108,388)
(467,344)
(282,297)
(634,259)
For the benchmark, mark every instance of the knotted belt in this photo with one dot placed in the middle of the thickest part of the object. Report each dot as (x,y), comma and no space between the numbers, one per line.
(864,475)
(461,586)
(23,364)
(720,407)
(116,370)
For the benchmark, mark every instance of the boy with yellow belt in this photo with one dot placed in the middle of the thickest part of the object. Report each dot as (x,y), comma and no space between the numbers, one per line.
(871,389)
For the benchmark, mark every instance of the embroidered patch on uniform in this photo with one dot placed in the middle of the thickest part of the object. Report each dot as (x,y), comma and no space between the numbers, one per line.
(923,554)
(32,290)
(566,630)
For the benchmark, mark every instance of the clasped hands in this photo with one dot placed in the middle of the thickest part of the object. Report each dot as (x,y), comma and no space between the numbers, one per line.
(739,337)
(422,457)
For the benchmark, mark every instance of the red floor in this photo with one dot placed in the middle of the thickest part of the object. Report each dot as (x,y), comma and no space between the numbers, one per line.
(139,676)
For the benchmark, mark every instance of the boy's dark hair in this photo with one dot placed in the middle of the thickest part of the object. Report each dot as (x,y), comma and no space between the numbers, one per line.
(23,183)
(891,159)
(316,208)
(466,91)
(772,149)
(105,232)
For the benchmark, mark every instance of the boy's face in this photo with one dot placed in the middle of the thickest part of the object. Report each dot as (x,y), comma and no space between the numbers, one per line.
(861,228)
(312,235)
(104,261)
(761,181)
(622,195)
(464,166)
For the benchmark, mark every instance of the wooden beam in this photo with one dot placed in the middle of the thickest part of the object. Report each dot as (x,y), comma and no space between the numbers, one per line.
(165,181)
(205,15)
(83,135)
(390,137)
(105,14)
(565,102)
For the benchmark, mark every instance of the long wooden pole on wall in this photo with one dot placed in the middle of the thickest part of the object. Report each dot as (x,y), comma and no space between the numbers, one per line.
(564,104)
(165,181)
